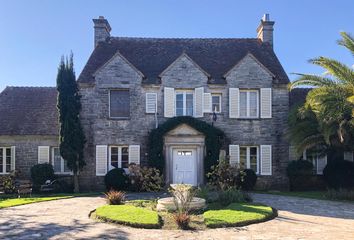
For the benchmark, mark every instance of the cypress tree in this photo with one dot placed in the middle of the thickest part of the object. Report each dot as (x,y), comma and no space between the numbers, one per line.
(71,135)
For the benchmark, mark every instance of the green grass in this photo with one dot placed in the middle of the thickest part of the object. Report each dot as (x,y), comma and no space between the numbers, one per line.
(12,200)
(129,215)
(238,214)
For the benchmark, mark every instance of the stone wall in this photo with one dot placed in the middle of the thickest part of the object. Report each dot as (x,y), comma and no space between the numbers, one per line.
(184,73)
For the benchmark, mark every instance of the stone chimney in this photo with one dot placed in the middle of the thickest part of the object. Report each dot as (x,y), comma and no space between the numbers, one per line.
(102,29)
(265,30)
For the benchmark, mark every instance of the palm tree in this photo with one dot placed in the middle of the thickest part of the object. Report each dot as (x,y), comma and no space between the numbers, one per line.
(327,117)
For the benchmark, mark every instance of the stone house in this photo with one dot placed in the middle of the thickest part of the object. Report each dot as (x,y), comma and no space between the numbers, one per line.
(130,86)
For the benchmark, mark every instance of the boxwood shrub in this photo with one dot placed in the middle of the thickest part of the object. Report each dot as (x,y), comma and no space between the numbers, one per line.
(339,174)
(116,179)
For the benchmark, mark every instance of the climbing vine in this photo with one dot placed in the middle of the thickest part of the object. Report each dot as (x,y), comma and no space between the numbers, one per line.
(214,140)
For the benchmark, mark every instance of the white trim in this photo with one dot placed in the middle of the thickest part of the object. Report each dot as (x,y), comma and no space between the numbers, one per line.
(247,91)
(220,101)
(184,93)
(62,163)
(110,167)
(3,167)
(109,102)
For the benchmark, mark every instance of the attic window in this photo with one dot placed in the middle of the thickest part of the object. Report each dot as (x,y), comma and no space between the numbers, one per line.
(119,103)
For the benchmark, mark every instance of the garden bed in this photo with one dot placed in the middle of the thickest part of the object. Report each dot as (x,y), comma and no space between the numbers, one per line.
(143,214)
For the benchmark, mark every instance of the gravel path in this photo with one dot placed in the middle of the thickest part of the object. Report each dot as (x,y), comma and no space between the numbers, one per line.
(299,218)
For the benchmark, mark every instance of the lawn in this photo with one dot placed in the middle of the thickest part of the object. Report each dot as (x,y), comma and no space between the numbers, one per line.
(238,214)
(11,201)
(129,215)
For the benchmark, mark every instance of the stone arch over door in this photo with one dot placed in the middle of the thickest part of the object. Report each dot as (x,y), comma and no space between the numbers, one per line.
(181,138)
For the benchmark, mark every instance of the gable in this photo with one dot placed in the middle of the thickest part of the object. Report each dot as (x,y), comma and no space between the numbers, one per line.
(250,64)
(119,65)
(183,129)
(183,62)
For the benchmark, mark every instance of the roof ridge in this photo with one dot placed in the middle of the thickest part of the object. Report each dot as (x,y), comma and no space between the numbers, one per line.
(182,38)
(29,87)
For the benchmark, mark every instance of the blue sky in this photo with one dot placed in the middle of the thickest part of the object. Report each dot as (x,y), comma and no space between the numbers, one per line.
(35,34)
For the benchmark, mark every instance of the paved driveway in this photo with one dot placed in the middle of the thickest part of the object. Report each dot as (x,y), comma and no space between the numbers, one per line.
(68,219)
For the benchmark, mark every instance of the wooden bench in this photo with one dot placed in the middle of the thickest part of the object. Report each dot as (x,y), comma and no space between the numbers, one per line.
(23,187)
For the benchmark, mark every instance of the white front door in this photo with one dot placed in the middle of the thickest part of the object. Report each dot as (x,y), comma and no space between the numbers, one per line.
(184,166)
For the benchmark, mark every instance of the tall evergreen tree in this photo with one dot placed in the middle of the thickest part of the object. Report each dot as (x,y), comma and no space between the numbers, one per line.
(71,136)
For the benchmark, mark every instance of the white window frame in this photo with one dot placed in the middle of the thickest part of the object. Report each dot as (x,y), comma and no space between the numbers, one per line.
(248,91)
(110,167)
(216,95)
(62,162)
(3,166)
(248,157)
(109,102)
(184,92)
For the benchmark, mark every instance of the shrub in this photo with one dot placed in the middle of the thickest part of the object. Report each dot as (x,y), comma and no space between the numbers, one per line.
(299,173)
(182,196)
(222,176)
(341,194)
(182,220)
(8,184)
(233,195)
(246,179)
(339,174)
(299,168)
(115,197)
(206,193)
(145,178)
(116,179)
(41,173)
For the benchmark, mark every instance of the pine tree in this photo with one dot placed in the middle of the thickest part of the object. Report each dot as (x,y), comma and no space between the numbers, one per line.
(71,135)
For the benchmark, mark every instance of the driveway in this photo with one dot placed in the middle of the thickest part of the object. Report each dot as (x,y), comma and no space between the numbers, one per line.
(299,218)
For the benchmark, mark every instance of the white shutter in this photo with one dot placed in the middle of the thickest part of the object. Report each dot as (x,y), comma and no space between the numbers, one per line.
(134,154)
(151,102)
(43,154)
(101,160)
(169,102)
(348,156)
(321,164)
(207,103)
(199,96)
(234,102)
(13,157)
(234,153)
(266,159)
(266,103)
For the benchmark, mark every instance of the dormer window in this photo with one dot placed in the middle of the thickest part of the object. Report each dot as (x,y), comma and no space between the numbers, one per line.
(184,103)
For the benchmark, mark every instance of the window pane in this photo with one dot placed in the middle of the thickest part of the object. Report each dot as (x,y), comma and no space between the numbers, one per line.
(1,160)
(253,104)
(243,104)
(215,103)
(125,157)
(57,160)
(243,157)
(66,169)
(114,157)
(119,103)
(179,104)
(253,159)
(8,159)
(189,104)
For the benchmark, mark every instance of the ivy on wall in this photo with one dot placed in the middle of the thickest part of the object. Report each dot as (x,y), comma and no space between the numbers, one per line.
(214,140)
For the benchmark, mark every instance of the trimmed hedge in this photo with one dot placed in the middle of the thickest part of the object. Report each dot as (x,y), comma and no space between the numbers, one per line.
(41,173)
(339,174)
(116,179)
(214,140)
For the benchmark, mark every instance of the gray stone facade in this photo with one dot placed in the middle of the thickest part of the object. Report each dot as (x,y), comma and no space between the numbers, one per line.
(182,74)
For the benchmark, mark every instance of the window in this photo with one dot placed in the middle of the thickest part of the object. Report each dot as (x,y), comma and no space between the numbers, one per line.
(249,104)
(249,158)
(59,164)
(216,103)
(184,103)
(118,157)
(119,103)
(5,160)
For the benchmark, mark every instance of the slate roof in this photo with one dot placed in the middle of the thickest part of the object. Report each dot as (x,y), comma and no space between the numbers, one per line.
(153,55)
(28,111)
(298,96)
